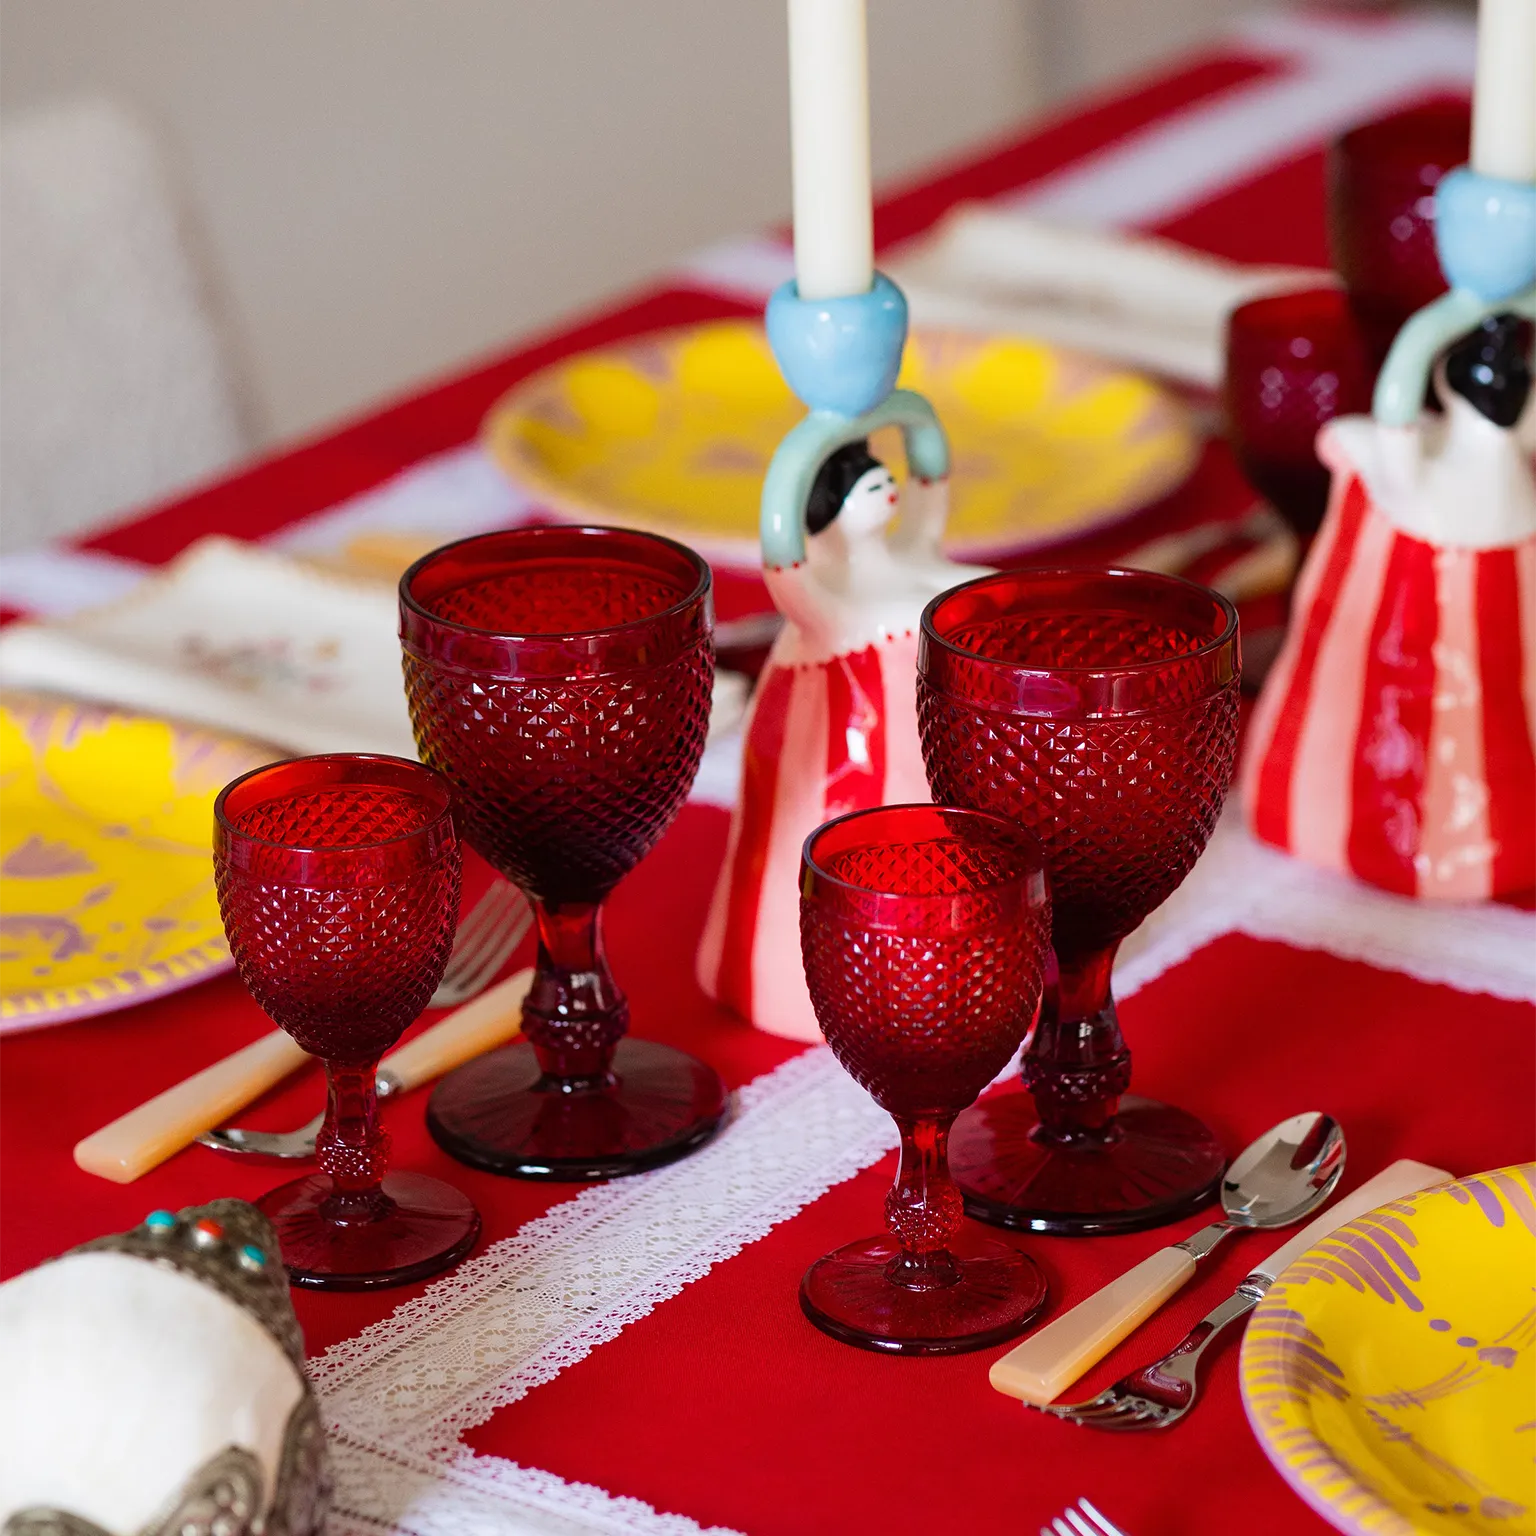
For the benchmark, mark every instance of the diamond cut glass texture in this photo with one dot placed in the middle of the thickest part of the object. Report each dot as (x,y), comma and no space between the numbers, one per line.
(560,680)
(1098,710)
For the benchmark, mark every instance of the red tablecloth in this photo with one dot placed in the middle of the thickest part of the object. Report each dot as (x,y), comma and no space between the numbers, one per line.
(722,1404)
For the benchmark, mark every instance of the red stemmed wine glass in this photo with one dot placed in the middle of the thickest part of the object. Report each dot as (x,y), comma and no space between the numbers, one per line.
(1381,211)
(1294,361)
(925,933)
(338,881)
(560,679)
(1097,708)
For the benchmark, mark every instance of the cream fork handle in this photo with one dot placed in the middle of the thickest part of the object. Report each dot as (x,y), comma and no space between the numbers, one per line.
(491,1019)
(134,1143)
(1047,1362)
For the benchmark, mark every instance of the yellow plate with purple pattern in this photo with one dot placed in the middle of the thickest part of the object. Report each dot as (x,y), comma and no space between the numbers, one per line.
(106,871)
(1390,1373)
(673,432)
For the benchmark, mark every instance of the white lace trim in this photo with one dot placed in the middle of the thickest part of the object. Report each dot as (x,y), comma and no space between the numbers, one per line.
(1241,885)
(398,1396)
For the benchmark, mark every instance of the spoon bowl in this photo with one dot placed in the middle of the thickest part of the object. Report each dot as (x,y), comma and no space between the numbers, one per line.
(1287,1172)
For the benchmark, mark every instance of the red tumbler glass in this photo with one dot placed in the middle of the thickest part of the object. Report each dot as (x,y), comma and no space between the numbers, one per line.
(1294,362)
(1098,709)
(1381,211)
(338,881)
(560,679)
(925,933)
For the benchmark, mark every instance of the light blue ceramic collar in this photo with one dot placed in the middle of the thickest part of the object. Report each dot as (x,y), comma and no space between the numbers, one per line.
(1485,235)
(841,357)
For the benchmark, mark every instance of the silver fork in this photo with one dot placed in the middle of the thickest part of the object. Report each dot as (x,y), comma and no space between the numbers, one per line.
(1161,1394)
(485,940)
(1081,1519)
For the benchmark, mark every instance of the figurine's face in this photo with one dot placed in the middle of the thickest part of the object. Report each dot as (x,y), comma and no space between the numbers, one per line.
(871,503)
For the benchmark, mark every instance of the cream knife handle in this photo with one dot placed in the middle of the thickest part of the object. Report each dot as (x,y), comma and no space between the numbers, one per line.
(134,1143)
(490,1019)
(1052,1359)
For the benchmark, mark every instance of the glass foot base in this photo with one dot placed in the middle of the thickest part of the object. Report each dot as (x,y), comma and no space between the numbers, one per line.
(426,1227)
(848,1295)
(1161,1165)
(662,1104)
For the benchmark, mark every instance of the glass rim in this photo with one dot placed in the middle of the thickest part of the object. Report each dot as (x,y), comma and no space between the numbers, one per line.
(705,578)
(929,629)
(429,777)
(1016,834)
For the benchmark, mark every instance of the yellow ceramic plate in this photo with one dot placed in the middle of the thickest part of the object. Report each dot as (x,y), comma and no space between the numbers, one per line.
(1390,1372)
(673,433)
(106,874)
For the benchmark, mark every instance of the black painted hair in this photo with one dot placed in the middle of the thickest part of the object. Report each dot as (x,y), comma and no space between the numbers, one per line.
(837,476)
(1490,368)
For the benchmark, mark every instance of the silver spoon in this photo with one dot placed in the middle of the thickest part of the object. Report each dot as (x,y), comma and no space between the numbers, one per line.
(1280,1178)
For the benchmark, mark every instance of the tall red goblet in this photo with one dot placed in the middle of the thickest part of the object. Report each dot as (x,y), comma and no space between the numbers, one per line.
(1098,709)
(1381,211)
(925,933)
(338,882)
(560,679)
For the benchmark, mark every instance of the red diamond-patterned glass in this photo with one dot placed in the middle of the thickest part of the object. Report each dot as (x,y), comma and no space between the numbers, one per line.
(338,882)
(570,746)
(339,898)
(560,680)
(1294,361)
(924,932)
(1097,709)
(923,956)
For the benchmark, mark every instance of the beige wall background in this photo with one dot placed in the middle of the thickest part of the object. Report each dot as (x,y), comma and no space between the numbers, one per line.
(385,189)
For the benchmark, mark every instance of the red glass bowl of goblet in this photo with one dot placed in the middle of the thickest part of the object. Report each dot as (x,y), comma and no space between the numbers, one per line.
(560,679)
(925,933)
(1381,211)
(338,882)
(1294,361)
(1098,709)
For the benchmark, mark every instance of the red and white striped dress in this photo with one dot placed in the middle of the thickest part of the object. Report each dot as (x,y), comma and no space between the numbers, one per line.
(1396,736)
(823,738)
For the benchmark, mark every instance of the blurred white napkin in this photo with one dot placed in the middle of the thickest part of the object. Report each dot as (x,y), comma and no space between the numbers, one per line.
(235,636)
(243,638)
(1146,302)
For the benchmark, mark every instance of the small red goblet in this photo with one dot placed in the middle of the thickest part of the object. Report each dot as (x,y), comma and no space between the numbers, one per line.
(1098,709)
(1381,211)
(560,679)
(925,933)
(338,881)
(1294,362)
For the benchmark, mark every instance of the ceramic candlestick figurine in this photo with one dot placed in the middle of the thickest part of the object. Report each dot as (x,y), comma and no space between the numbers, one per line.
(154,1384)
(1396,736)
(850,562)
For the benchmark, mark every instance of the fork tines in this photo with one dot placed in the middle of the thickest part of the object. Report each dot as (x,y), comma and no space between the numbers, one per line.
(1081,1519)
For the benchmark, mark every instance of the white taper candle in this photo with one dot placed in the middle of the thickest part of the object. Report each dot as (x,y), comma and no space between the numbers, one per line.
(829,141)
(1504,102)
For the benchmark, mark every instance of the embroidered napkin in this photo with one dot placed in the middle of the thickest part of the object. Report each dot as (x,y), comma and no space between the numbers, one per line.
(236,636)
(244,638)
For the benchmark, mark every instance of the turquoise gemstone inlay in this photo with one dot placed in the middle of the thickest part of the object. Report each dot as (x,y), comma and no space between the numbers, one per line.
(160,1221)
(255,1257)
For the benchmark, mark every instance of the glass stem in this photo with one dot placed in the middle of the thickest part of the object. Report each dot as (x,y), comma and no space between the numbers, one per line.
(352,1147)
(924,1210)
(1077,1064)
(575,1013)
